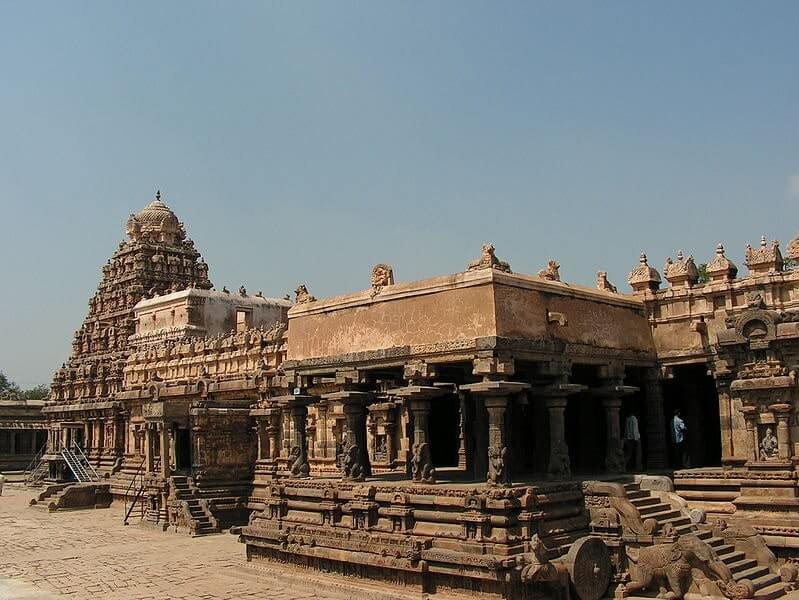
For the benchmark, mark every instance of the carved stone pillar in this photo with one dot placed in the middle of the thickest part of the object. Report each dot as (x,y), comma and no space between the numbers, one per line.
(355,464)
(496,395)
(86,438)
(656,452)
(321,428)
(163,432)
(419,397)
(750,414)
(556,398)
(783,413)
(390,428)
(615,460)
(263,442)
(172,449)
(298,453)
(273,432)
(148,448)
(463,428)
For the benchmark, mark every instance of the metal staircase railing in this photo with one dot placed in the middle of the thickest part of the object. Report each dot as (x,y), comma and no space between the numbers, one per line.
(38,468)
(78,463)
(138,475)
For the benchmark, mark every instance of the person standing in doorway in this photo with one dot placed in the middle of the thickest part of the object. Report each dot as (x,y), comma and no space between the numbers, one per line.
(678,432)
(632,443)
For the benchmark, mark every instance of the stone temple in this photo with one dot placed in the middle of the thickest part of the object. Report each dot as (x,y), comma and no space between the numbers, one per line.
(489,433)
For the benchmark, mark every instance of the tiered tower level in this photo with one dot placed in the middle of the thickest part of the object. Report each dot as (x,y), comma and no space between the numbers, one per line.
(157,258)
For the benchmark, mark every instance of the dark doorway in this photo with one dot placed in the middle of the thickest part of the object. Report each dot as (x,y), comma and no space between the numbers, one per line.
(586,427)
(692,390)
(444,431)
(183,449)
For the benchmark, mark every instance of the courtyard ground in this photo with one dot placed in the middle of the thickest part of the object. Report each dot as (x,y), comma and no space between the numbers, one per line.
(91,554)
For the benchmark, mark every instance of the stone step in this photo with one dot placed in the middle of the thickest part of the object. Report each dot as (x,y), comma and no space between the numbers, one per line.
(683,529)
(661,517)
(725,550)
(644,501)
(732,557)
(766,580)
(632,486)
(742,565)
(637,494)
(752,573)
(677,521)
(648,509)
(775,590)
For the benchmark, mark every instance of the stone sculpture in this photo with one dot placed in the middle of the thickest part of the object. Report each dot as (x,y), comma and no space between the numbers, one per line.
(302,296)
(768,446)
(603,284)
(298,461)
(488,260)
(670,566)
(551,272)
(422,463)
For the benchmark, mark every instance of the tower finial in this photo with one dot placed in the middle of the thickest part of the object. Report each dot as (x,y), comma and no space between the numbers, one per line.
(158,195)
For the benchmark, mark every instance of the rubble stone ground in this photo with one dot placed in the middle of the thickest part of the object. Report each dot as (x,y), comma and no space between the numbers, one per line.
(91,554)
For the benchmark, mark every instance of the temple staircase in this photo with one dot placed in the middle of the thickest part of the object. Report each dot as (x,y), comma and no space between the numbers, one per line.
(767,585)
(38,469)
(201,520)
(77,462)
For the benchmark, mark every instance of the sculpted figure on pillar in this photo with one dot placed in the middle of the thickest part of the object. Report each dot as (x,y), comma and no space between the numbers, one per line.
(351,465)
(422,463)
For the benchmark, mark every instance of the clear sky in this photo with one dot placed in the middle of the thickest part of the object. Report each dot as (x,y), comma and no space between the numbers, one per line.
(307,141)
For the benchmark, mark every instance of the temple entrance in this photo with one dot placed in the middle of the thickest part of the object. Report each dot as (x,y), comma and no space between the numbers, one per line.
(444,431)
(586,431)
(692,391)
(183,449)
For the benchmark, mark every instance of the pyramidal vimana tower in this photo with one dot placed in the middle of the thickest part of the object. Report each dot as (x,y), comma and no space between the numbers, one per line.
(156,258)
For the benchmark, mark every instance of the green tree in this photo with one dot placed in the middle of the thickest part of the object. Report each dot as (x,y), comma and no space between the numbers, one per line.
(703,276)
(7,386)
(39,392)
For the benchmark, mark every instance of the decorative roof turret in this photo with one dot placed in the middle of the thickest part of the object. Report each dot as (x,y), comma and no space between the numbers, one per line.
(765,259)
(643,277)
(156,223)
(721,268)
(681,273)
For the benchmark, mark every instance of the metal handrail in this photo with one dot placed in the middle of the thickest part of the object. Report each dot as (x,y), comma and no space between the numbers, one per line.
(139,472)
(85,460)
(34,464)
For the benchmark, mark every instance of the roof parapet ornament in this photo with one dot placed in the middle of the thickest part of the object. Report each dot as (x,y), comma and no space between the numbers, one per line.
(682,272)
(765,259)
(382,276)
(551,272)
(721,268)
(488,260)
(603,284)
(643,277)
(302,296)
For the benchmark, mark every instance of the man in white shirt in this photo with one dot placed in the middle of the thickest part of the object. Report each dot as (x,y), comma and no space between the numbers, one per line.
(632,443)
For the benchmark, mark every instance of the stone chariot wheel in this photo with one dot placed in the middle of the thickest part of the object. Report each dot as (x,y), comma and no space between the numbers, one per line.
(588,563)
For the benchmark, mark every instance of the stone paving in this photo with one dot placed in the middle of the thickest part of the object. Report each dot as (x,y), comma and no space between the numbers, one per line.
(91,554)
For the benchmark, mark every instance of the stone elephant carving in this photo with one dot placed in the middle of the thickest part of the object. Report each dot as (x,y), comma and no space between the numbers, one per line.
(670,566)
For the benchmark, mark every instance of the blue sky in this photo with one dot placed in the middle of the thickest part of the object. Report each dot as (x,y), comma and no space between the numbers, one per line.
(307,141)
